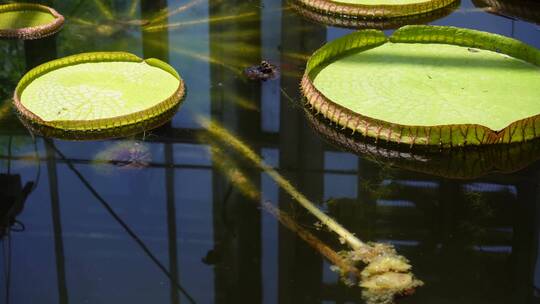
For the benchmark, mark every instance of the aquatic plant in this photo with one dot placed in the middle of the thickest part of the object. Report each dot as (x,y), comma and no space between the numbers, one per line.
(98,95)
(240,181)
(428,86)
(374,9)
(462,163)
(28,21)
(368,21)
(386,275)
(528,10)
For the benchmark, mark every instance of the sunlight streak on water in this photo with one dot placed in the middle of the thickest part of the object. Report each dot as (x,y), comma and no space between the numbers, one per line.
(183,24)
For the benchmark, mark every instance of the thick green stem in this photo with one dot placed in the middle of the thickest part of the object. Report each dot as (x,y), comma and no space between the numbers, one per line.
(232,141)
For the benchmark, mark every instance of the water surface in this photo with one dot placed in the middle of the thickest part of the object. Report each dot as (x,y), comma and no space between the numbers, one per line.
(153,218)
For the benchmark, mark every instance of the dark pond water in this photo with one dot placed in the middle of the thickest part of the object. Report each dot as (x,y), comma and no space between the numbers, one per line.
(155,218)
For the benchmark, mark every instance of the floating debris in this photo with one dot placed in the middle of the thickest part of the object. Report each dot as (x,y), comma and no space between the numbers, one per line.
(263,71)
(126,155)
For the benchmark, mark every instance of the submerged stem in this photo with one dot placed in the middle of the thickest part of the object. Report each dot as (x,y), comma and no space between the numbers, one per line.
(232,141)
(247,188)
(386,274)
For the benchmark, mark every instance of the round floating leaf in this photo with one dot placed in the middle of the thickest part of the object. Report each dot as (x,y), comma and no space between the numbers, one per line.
(528,10)
(428,86)
(374,9)
(95,95)
(373,23)
(28,21)
(460,163)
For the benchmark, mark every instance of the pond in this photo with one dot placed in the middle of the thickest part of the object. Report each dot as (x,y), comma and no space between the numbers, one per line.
(173,214)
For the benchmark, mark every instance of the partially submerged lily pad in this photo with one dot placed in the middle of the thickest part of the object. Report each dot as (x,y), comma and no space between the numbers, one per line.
(368,22)
(461,163)
(428,86)
(28,21)
(374,9)
(98,95)
(528,10)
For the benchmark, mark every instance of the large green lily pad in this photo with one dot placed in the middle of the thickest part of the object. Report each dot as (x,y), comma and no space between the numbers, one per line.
(97,94)
(28,21)
(462,163)
(428,86)
(374,9)
(373,23)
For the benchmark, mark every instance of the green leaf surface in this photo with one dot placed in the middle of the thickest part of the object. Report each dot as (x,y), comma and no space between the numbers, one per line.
(433,84)
(428,85)
(22,19)
(28,21)
(98,92)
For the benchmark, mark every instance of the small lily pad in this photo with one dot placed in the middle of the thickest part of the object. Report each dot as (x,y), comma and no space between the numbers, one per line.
(374,9)
(28,21)
(95,95)
(428,86)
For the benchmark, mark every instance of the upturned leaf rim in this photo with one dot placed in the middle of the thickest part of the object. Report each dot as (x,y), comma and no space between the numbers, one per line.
(460,163)
(528,10)
(374,23)
(104,127)
(443,136)
(375,11)
(33,32)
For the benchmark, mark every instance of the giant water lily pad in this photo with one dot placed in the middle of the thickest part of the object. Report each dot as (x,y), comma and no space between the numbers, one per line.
(28,21)
(95,95)
(428,86)
(374,9)
(373,23)
(528,10)
(460,163)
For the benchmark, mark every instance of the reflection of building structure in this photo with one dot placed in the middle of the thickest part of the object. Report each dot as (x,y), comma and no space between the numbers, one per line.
(185,210)
(237,234)
(301,158)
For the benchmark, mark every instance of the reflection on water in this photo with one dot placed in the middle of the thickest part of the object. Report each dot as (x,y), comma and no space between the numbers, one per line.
(167,223)
(459,163)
